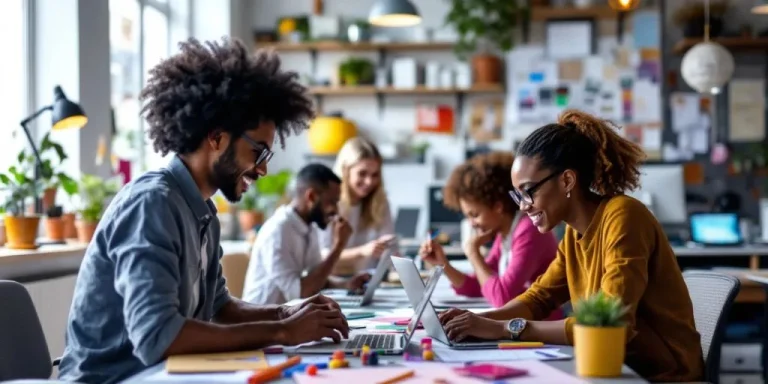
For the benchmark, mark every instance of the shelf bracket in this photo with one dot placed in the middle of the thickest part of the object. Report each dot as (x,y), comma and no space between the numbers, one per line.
(313,65)
(380,104)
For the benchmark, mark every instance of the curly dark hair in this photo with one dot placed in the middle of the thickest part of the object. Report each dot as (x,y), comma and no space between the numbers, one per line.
(220,85)
(605,162)
(483,179)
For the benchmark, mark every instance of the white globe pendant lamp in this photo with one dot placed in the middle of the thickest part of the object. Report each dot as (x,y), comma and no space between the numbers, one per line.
(707,66)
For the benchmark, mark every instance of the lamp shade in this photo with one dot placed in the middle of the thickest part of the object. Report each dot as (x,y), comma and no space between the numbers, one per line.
(394,13)
(707,67)
(624,5)
(760,7)
(66,114)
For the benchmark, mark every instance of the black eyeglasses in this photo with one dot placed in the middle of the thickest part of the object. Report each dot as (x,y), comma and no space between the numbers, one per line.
(264,153)
(526,195)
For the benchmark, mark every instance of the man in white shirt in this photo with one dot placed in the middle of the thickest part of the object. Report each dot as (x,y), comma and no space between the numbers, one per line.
(287,246)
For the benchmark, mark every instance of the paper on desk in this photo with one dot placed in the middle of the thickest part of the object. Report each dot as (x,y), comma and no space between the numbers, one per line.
(216,362)
(538,372)
(227,377)
(449,355)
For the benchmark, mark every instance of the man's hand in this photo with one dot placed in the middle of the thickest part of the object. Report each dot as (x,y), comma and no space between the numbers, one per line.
(287,311)
(341,231)
(356,283)
(313,322)
(432,252)
(469,324)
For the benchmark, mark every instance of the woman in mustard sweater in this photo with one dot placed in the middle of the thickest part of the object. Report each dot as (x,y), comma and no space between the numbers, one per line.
(577,171)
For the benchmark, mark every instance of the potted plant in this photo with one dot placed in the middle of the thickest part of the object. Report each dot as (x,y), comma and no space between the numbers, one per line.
(691,17)
(20,226)
(94,193)
(484,26)
(248,213)
(271,189)
(68,218)
(54,224)
(420,150)
(356,71)
(52,156)
(599,336)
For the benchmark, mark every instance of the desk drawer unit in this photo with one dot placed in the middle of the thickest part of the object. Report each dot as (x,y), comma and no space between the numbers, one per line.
(741,358)
(741,378)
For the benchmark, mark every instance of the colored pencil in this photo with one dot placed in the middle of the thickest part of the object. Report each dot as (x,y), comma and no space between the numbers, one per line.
(273,372)
(522,344)
(398,378)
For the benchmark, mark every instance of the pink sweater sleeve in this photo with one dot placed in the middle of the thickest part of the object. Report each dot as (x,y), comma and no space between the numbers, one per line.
(471,286)
(532,252)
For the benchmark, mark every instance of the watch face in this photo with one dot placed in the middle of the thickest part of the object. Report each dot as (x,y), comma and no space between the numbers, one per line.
(516,325)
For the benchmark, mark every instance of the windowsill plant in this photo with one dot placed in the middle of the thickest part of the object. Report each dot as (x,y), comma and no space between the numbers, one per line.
(95,193)
(599,335)
(20,226)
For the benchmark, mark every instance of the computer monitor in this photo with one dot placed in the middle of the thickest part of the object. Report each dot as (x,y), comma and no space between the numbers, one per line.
(662,190)
(715,228)
(407,222)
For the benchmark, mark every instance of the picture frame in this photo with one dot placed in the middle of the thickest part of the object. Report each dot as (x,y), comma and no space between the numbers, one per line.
(570,38)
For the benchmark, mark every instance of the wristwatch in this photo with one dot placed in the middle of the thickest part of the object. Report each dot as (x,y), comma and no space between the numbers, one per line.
(516,327)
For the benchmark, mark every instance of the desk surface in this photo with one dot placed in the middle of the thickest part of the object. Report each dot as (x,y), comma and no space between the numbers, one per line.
(382,306)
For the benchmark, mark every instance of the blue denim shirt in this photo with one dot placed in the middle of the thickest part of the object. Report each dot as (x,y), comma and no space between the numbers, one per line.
(142,275)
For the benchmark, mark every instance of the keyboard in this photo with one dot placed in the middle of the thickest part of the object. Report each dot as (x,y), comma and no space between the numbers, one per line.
(374,341)
(353,301)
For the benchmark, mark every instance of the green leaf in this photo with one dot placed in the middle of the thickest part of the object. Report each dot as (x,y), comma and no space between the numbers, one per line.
(600,310)
(4,179)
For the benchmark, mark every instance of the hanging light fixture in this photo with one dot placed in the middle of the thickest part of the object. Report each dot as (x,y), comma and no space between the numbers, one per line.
(394,13)
(760,7)
(624,5)
(708,66)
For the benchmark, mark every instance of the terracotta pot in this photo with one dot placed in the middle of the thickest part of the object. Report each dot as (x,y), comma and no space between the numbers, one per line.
(85,230)
(486,69)
(21,231)
(249,220)
(54,228)
(70,230)
(49,198)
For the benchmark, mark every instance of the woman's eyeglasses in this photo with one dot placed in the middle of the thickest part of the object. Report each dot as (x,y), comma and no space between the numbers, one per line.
(525,196)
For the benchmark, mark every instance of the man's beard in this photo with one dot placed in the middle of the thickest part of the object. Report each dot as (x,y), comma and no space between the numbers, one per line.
(226,175)
(317,216)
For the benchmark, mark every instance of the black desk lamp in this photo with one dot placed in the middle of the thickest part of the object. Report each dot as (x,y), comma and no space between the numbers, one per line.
(66,114)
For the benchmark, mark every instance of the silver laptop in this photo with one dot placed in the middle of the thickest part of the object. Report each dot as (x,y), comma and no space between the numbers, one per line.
(348,300)
(386,343)
(415,289)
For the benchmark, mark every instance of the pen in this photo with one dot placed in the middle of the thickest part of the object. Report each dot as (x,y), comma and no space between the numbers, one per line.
(522,344)
(545,354)
(398,378)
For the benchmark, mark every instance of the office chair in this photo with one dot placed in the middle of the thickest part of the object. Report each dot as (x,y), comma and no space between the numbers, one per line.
(23,348)
(712,295)
(233,268)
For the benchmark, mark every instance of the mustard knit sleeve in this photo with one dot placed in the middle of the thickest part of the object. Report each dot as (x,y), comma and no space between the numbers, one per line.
(549,291)
(629,240)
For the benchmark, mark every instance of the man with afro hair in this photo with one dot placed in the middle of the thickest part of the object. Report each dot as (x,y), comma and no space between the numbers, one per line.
(150,284)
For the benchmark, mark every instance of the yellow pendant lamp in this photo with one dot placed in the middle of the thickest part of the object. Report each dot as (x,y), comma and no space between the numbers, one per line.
(327,134)
(624,5)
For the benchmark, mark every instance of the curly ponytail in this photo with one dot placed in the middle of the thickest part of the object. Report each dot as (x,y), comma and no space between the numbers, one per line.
(606,163)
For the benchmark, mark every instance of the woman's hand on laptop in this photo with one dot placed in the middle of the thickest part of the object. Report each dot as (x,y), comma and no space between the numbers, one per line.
(374,248)
(313,322)
(469,324)
(449,314)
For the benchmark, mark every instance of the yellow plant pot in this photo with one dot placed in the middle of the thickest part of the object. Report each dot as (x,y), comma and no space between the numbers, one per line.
(599,351)
(21,231)
(327,134)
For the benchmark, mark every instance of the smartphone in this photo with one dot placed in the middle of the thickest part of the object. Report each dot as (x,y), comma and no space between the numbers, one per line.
(490,371)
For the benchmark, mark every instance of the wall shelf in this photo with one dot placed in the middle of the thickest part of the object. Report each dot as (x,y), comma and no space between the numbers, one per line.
(363,46)
(554,13)
(371,90)
(732,43)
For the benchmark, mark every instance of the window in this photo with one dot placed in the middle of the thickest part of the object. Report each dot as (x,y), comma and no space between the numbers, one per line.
(14,77)
(141,32)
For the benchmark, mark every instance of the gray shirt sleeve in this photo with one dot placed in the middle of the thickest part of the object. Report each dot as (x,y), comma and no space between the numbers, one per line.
(145,251)
(222,293)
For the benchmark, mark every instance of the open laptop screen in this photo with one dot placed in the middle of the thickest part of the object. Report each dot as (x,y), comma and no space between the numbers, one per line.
(419,309)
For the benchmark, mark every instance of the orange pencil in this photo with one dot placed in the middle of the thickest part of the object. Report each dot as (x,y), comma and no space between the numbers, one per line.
(273,372)
(398,378)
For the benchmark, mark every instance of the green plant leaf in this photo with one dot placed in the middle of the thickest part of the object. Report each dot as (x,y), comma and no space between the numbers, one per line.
(600,310)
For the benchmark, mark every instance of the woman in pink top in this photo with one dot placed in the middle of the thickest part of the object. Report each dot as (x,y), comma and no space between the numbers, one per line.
(520,253)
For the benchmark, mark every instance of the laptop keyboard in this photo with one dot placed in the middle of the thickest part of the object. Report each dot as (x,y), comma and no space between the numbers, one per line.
(349,301)
(374,341)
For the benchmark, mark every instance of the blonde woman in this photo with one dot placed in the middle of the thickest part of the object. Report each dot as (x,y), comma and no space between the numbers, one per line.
(363,204)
